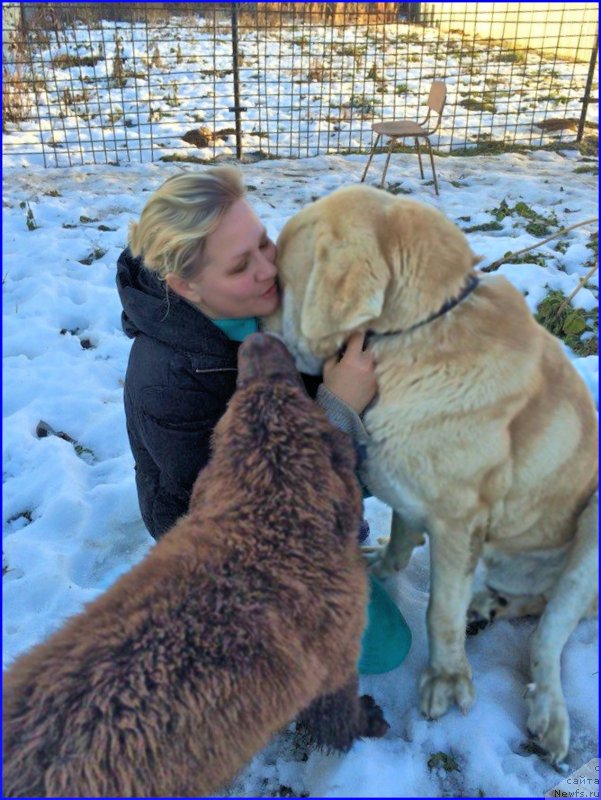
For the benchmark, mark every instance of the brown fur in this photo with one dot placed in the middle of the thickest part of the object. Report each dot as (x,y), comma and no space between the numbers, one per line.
(246,612)
(482,433)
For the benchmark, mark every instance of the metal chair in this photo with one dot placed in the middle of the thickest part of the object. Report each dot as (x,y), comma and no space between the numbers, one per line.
(405,128)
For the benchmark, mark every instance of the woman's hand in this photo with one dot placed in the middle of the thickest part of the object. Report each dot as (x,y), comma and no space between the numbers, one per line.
(352,378)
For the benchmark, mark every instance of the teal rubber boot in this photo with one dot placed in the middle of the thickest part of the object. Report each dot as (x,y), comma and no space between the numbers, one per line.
(386,638)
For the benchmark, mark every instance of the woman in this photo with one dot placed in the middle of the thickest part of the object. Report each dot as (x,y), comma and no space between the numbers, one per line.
(198,273)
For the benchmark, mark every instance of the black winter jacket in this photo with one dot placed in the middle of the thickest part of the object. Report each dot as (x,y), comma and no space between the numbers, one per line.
(180,376)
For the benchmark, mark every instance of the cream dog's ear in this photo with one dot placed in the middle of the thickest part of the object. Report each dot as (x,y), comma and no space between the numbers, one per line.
(346,286)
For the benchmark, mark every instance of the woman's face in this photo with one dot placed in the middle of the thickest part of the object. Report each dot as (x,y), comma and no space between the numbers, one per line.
(237,276)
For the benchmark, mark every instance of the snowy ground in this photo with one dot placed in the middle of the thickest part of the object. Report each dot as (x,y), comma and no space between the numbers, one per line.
(71,521)
(121,90)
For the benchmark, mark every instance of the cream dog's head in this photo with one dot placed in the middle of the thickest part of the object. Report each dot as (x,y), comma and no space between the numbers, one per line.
(361,259)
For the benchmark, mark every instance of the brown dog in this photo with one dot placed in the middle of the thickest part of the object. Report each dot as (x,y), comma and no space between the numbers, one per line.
(483,434)
(249,611)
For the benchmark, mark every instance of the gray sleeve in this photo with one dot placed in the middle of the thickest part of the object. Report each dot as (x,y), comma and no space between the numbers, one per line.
(342,416)
(348,421)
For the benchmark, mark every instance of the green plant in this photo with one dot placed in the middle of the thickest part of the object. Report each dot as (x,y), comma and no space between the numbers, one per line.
(397,188)
(512,57)
(562,99)
(561,319)
(593,244)
(81,450)
(32,225)
(349,50)
(478,105)
(538,224)
(444,760)
(485,226)
(589,145)
(530,258)
(561,246)
(361,104)
(411,38)
(179,159)
(96,254)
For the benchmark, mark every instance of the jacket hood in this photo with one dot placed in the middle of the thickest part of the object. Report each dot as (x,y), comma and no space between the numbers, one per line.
(149,309)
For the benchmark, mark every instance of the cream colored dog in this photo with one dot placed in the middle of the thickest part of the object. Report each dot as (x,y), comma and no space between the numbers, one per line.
(483,435)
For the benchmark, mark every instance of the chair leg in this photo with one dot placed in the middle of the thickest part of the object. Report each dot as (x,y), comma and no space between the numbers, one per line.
(432,163)
(371,155)
(419,155)
(387,162)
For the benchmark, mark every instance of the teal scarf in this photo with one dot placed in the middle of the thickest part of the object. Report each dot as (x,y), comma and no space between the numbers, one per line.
(237,329)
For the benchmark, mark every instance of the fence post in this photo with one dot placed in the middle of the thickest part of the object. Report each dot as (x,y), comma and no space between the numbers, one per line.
(236,109)
(587,92)
(414,13)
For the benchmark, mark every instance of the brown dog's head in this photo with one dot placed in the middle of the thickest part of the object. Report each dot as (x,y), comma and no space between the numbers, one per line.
(265,358)
(361,259)
(274,438)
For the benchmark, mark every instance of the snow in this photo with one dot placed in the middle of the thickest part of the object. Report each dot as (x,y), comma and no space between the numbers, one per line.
(71,520)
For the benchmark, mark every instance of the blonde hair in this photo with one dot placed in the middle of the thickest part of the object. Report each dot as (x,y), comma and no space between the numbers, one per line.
(175,222)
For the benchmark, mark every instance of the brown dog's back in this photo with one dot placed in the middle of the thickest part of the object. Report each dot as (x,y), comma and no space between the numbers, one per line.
(250,608)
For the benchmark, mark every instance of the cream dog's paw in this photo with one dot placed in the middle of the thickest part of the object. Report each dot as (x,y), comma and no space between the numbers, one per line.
(373,552)
(482,610)
(548,721)
(380,559)
(483,606)
(384,560)
(437,690)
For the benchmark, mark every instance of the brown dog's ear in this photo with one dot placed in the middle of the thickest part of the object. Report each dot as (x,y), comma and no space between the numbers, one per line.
(346,286)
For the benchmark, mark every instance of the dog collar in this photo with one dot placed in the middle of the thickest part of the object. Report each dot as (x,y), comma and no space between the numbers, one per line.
(472,282)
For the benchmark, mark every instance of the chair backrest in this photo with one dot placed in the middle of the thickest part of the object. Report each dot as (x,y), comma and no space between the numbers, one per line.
(437,97)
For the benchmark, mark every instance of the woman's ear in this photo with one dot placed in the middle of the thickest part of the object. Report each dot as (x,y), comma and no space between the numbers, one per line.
(186,289)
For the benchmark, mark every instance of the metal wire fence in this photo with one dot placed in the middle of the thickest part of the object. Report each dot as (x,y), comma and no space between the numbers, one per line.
(112,82)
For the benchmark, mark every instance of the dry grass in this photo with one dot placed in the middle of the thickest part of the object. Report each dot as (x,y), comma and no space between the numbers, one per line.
(263,14)
(17,98)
